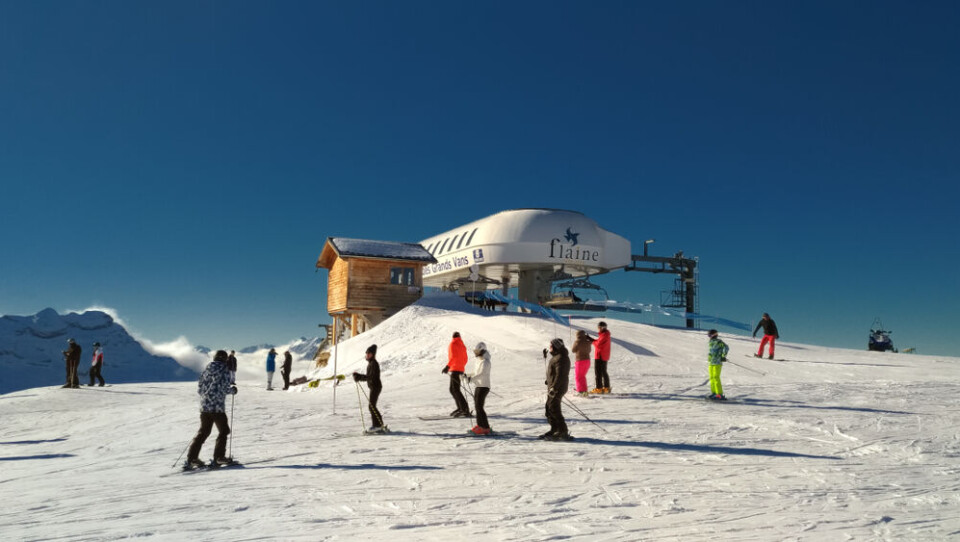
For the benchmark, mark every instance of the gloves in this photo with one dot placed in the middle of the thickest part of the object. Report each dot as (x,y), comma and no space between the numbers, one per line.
(544,353)
(446,369)
(233,390)
(356,377)
(723,360)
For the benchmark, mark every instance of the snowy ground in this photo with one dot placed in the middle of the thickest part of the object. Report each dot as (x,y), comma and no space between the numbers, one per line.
(828,444)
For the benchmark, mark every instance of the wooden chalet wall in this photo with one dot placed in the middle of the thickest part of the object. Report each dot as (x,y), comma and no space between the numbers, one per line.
(337,282)
(363,286)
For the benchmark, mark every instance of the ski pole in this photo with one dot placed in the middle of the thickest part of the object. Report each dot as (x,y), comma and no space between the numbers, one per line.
(367,397)
(474,388)
(747,368)
(580,412)
(181,454)
(464,388)
(363,423)
(232,426)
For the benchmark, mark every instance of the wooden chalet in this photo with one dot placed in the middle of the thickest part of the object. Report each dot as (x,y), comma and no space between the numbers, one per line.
(369,281)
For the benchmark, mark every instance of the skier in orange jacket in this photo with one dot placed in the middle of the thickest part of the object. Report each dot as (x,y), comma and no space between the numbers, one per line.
(457,362)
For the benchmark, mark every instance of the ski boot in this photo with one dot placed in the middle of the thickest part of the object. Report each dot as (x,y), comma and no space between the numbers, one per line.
(192,464)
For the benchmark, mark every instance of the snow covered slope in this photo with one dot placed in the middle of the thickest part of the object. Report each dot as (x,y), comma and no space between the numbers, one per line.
(31,351)
(828,444)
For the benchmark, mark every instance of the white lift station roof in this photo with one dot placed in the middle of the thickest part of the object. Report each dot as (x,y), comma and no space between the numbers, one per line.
(511,246)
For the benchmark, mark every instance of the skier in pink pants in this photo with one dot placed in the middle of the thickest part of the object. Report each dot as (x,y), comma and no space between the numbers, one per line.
(581,351)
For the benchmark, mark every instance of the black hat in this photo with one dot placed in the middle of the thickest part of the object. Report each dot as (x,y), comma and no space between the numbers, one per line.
(372,349)
(602,324)
(456,334)
(557,344)
(71,341)
(96,344)
(712,333)
(221,355)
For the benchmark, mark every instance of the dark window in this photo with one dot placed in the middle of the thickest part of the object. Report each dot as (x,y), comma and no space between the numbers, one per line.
(470,240)
(440,251)
(454,241)
(462,239)
(402,275)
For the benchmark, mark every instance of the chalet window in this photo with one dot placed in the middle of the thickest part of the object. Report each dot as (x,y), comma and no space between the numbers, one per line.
(402,275)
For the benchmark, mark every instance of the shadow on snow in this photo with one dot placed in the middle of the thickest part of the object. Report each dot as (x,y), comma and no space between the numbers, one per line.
(781,403)
(362,466)
(41,456)
(699,448)
(61,439)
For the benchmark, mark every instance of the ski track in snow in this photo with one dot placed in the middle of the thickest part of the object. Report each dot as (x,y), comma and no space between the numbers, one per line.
(858,445)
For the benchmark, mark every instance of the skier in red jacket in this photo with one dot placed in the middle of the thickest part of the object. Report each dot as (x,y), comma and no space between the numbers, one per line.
(601,346)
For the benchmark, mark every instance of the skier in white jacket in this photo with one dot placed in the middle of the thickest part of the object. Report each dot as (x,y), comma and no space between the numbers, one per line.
(481,379)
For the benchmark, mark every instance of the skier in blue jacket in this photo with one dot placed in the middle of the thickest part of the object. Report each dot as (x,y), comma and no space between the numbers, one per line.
(271,368)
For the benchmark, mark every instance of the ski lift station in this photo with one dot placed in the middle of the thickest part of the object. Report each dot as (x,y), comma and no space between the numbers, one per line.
(548,255)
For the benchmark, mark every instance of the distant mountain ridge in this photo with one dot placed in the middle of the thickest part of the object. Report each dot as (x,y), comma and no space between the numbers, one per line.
(31,351)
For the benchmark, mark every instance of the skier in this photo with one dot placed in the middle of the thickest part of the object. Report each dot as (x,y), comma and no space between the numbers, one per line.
(481,378)
(558,380)
(581,351)
(457,362)
(72,357)
(373,382)
(770,334)
(97,364)
(601,346)
(285,370)
(232,366)
(213,387)
(271,367)
(716,355)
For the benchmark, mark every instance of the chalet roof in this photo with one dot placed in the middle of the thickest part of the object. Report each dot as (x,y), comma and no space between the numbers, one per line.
(345,247)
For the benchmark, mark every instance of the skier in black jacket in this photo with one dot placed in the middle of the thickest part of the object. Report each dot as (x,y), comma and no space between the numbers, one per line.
(770,334)
(373,382)
(286,369)
(558,380)
(72,357)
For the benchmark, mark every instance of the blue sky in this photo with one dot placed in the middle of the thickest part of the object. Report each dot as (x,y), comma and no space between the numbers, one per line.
(183,162)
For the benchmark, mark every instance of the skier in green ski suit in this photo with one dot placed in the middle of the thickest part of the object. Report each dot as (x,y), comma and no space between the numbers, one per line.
(716,355)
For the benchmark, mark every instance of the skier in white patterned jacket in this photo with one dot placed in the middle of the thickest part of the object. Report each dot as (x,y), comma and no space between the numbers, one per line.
(213,388)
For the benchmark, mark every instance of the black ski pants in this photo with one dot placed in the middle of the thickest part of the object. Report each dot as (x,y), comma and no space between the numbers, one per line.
(207,421)
(95,373)
(558,426)
(600,372)
(480,397)
(285,373)
(374,413)
(73,378)
(458,397)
